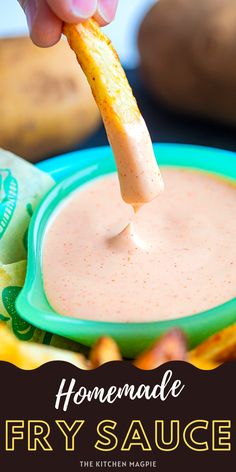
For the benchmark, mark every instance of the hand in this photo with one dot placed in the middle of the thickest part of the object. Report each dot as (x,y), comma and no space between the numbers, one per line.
(45,17)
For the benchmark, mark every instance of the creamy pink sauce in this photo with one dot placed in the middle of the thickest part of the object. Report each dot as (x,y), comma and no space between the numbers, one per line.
(139,175)
(176,258)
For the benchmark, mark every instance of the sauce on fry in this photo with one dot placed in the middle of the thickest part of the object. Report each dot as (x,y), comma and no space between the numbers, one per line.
(138,171)
(139,175)
(176,258)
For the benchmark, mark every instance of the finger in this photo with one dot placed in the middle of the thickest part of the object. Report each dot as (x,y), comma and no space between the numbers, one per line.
(73,11)
(30,8)
(106,11)
(45,27)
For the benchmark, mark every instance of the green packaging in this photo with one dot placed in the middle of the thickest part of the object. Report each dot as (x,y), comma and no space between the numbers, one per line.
(22,186)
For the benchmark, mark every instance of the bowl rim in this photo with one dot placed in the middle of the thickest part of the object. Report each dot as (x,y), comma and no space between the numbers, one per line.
(90,162)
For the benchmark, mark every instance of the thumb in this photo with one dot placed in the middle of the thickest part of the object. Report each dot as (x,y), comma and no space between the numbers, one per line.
(44,26)
(30,8)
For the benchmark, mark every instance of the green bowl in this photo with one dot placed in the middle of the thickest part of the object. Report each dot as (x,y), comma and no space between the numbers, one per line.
(32,304)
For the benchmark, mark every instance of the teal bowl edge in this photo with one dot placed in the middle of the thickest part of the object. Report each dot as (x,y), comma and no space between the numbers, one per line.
(78,168)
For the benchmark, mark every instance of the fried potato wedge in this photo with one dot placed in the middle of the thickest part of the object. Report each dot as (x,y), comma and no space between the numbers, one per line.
(139,176)
(105,350)
(220,347)
(30,356)
(202,363)
(170,347)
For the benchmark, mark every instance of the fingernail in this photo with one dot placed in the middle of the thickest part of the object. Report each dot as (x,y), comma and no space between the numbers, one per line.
(31,12)
(83,8)
(107,9)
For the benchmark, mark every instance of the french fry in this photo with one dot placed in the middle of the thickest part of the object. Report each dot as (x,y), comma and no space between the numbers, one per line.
(202,363)
(139,175)
(105,350)
(170,347)
(30,355)
(220,347)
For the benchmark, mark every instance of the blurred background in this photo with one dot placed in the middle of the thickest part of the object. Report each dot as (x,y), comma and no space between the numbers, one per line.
(123,32)
(179,59)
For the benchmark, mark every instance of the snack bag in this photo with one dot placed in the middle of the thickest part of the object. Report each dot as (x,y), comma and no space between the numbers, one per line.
(22,186)
(12,278)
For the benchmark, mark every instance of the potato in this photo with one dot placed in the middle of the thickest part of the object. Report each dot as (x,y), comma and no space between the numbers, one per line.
(170,347)
(104,350)
(45,102)
(220,347)
(140,179)
(188,50)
